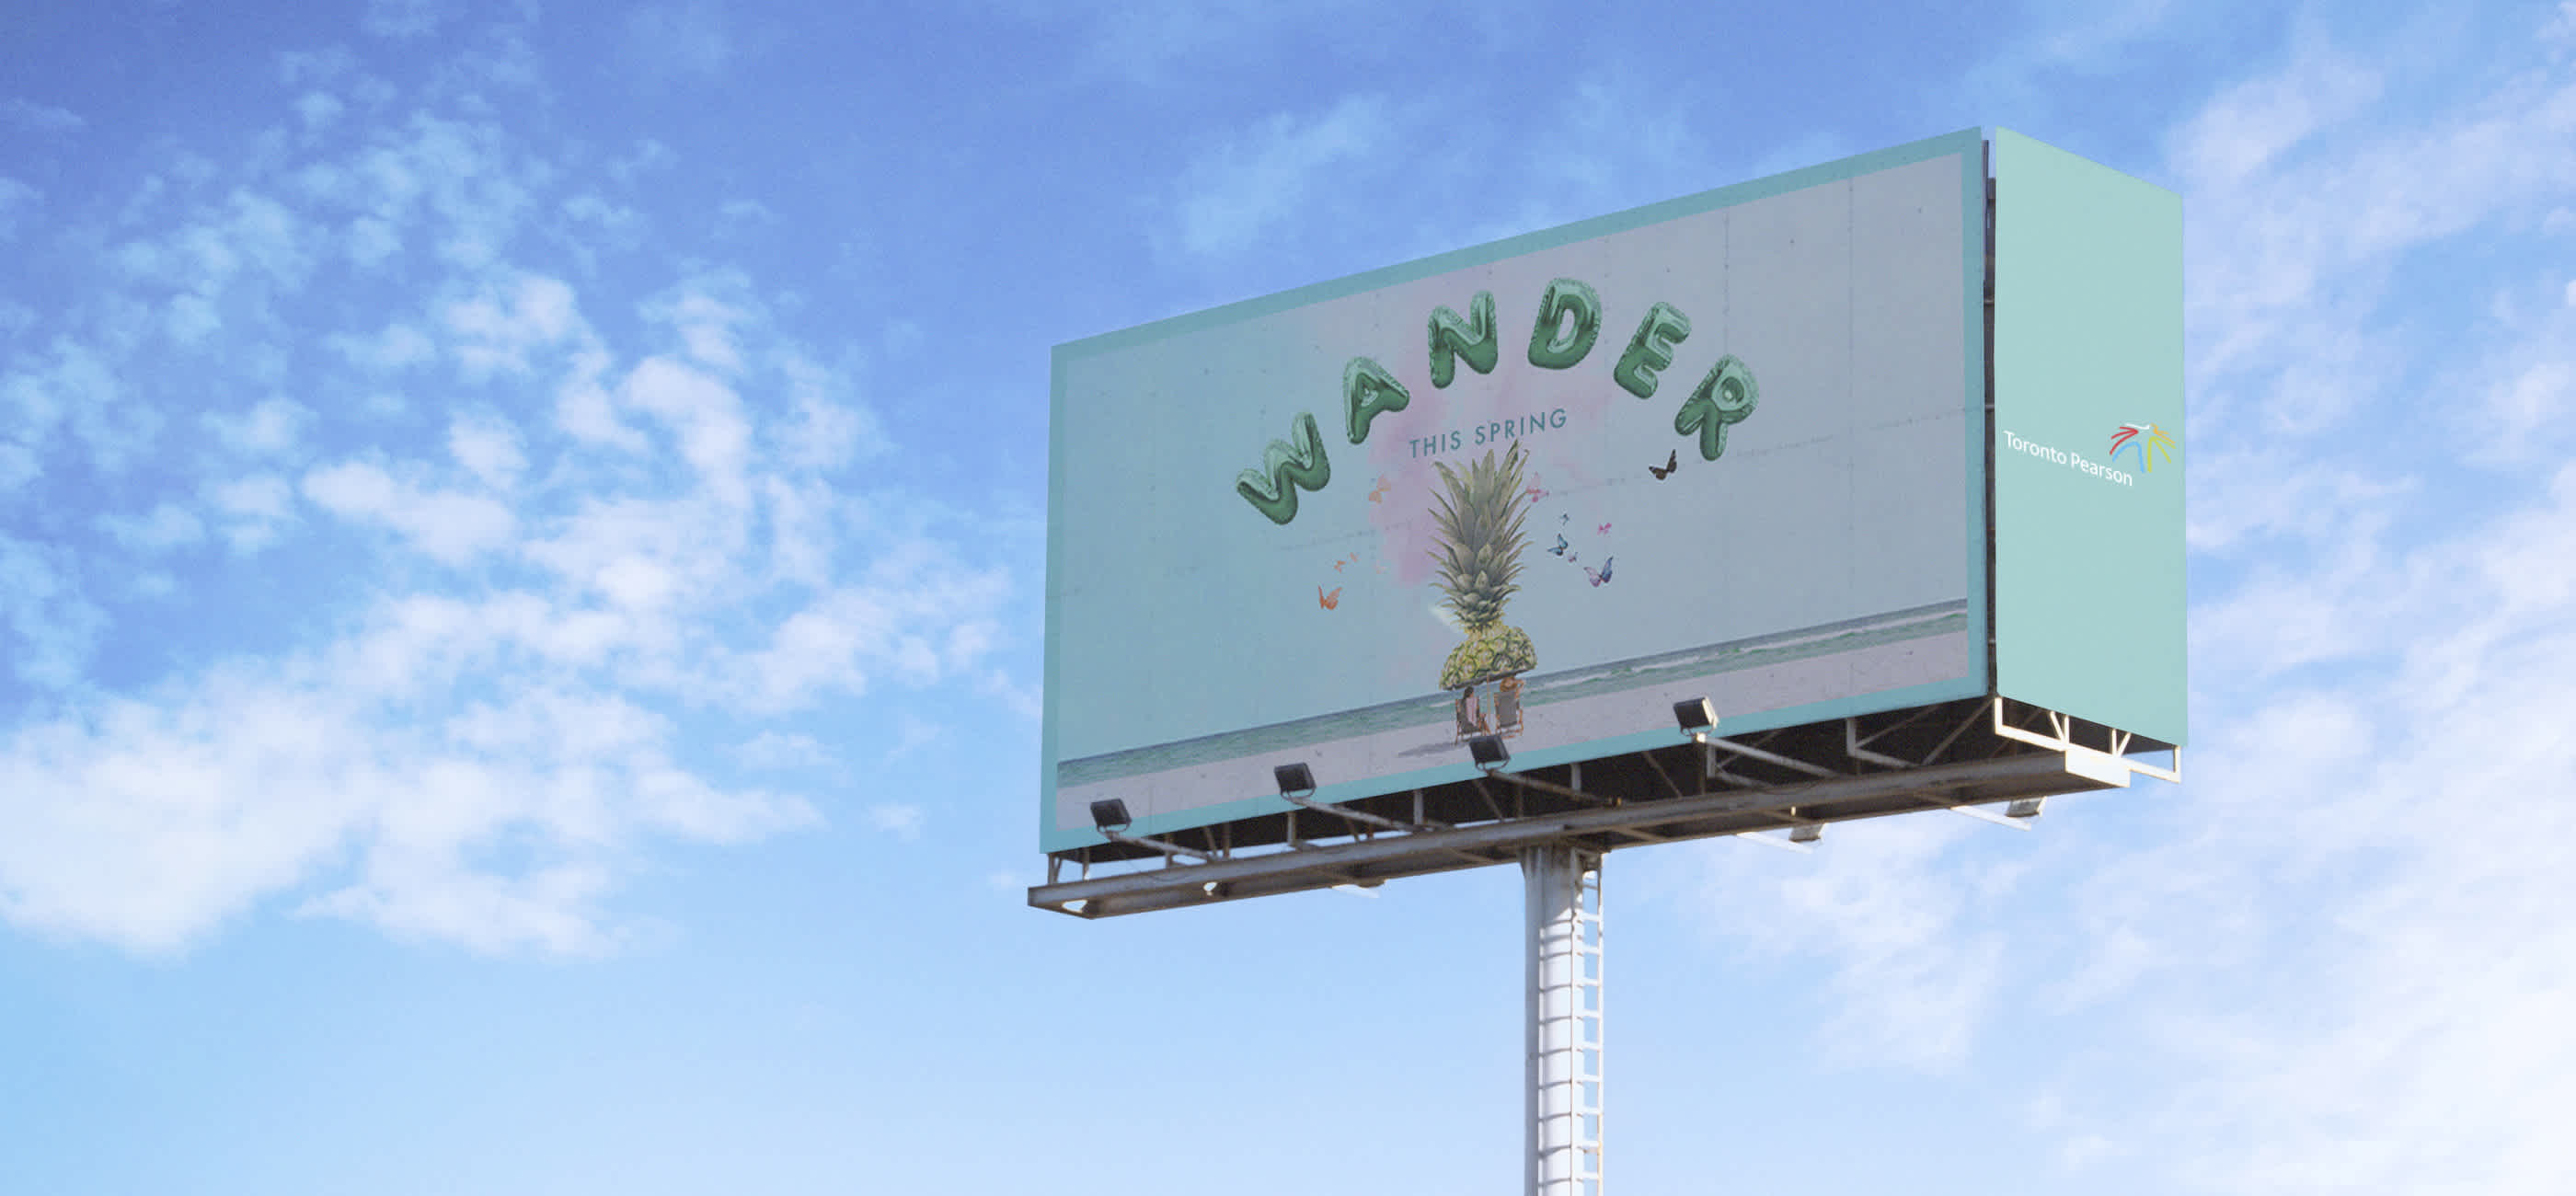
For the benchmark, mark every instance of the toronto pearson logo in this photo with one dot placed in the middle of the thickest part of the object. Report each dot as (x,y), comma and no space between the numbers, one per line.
(2145,443)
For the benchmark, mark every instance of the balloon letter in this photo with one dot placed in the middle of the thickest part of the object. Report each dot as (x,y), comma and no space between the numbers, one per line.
(1555,346)
(1272,489)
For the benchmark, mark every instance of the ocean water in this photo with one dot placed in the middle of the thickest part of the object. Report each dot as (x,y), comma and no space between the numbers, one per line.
(1434,710)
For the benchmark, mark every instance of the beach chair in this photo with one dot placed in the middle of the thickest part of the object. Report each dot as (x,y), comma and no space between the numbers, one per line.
(1471,716)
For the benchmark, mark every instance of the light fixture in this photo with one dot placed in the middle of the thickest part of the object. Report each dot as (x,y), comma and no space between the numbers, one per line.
(1695,715)
(2020,823)
(1109,814)
(2027,807)
(1213,889)
(1807,832)
(1488,751)
(1295,780)
(1776,841)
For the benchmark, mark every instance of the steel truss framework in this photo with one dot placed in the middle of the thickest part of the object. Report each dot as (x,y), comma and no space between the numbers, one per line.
(1963,755)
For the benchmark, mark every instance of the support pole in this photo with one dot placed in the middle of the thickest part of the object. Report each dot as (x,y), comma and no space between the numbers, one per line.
(1563,1109)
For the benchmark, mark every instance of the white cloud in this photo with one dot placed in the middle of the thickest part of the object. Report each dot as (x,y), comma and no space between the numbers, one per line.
(900,819)
(17,466)
(909,621)
(2315,949)
(449,527)
(268,429)
(2336,958)
(49,627)
(192,319)
(495,332)
(585,411)
(488,448)
(168,526)
(707,328)
(774,750)
(682,38)
(483,753)
(913,733)
(704,414)
(402,19)
(256,510)
(396,346)
(825,434)
(319,109)
(40,118)
(1915,961)
(1231,197)
(371,241)
(2248,126)
(17,199)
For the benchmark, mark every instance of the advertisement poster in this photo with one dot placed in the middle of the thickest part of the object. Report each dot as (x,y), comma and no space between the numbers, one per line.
(1729,446)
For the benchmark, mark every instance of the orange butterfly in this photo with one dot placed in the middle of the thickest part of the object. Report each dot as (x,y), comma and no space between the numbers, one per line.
(1331,600)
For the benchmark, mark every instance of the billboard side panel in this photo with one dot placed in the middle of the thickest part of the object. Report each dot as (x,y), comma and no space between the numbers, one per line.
(2088,441)
(1744,440)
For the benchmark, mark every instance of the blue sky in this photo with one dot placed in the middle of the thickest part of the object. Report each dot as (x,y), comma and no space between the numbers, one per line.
(521,550)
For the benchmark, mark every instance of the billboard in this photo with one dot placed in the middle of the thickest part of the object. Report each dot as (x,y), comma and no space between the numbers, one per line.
(2088,441)
(1728,446)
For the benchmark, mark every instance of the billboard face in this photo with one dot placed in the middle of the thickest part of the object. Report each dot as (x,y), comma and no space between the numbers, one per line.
(2088,441)
(1728,446)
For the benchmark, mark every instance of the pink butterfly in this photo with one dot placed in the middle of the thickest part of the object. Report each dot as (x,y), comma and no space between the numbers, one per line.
(1602,577)
(1605,529)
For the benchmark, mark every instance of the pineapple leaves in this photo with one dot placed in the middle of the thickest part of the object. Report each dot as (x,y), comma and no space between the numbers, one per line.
(1480,514)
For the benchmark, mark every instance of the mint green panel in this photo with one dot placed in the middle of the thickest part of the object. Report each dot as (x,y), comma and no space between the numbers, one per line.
(2089,446)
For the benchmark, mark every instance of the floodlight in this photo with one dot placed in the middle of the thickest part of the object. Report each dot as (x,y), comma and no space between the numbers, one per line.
(1295,780)
(1488,751)
(2027,807)
(1807,832)
(1695,715)
(1110,815)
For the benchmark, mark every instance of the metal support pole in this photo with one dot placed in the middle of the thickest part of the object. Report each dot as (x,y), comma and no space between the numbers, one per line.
(1563,1110)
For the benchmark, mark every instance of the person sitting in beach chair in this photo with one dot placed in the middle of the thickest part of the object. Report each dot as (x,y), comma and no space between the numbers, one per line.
(1471,716)
(1507,706)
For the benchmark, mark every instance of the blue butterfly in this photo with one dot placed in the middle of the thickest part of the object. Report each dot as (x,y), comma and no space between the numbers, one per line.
(1560,546)
(1604,575)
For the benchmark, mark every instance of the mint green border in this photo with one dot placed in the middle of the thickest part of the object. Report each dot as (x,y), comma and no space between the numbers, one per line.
(1969,144)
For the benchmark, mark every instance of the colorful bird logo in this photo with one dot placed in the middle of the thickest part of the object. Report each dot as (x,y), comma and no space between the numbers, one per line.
(2146,442)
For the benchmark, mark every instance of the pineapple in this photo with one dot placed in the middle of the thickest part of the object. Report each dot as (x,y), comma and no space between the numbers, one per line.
(1480,555)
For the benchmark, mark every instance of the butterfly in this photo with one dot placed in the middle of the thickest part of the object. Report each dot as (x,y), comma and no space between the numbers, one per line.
(1560,545)
(1337,566)
(1573,558)
(1603,577)
(1672,461)
(1564,515)
(1334,599)
(1379,494)
(1605,529)
(1536,494)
